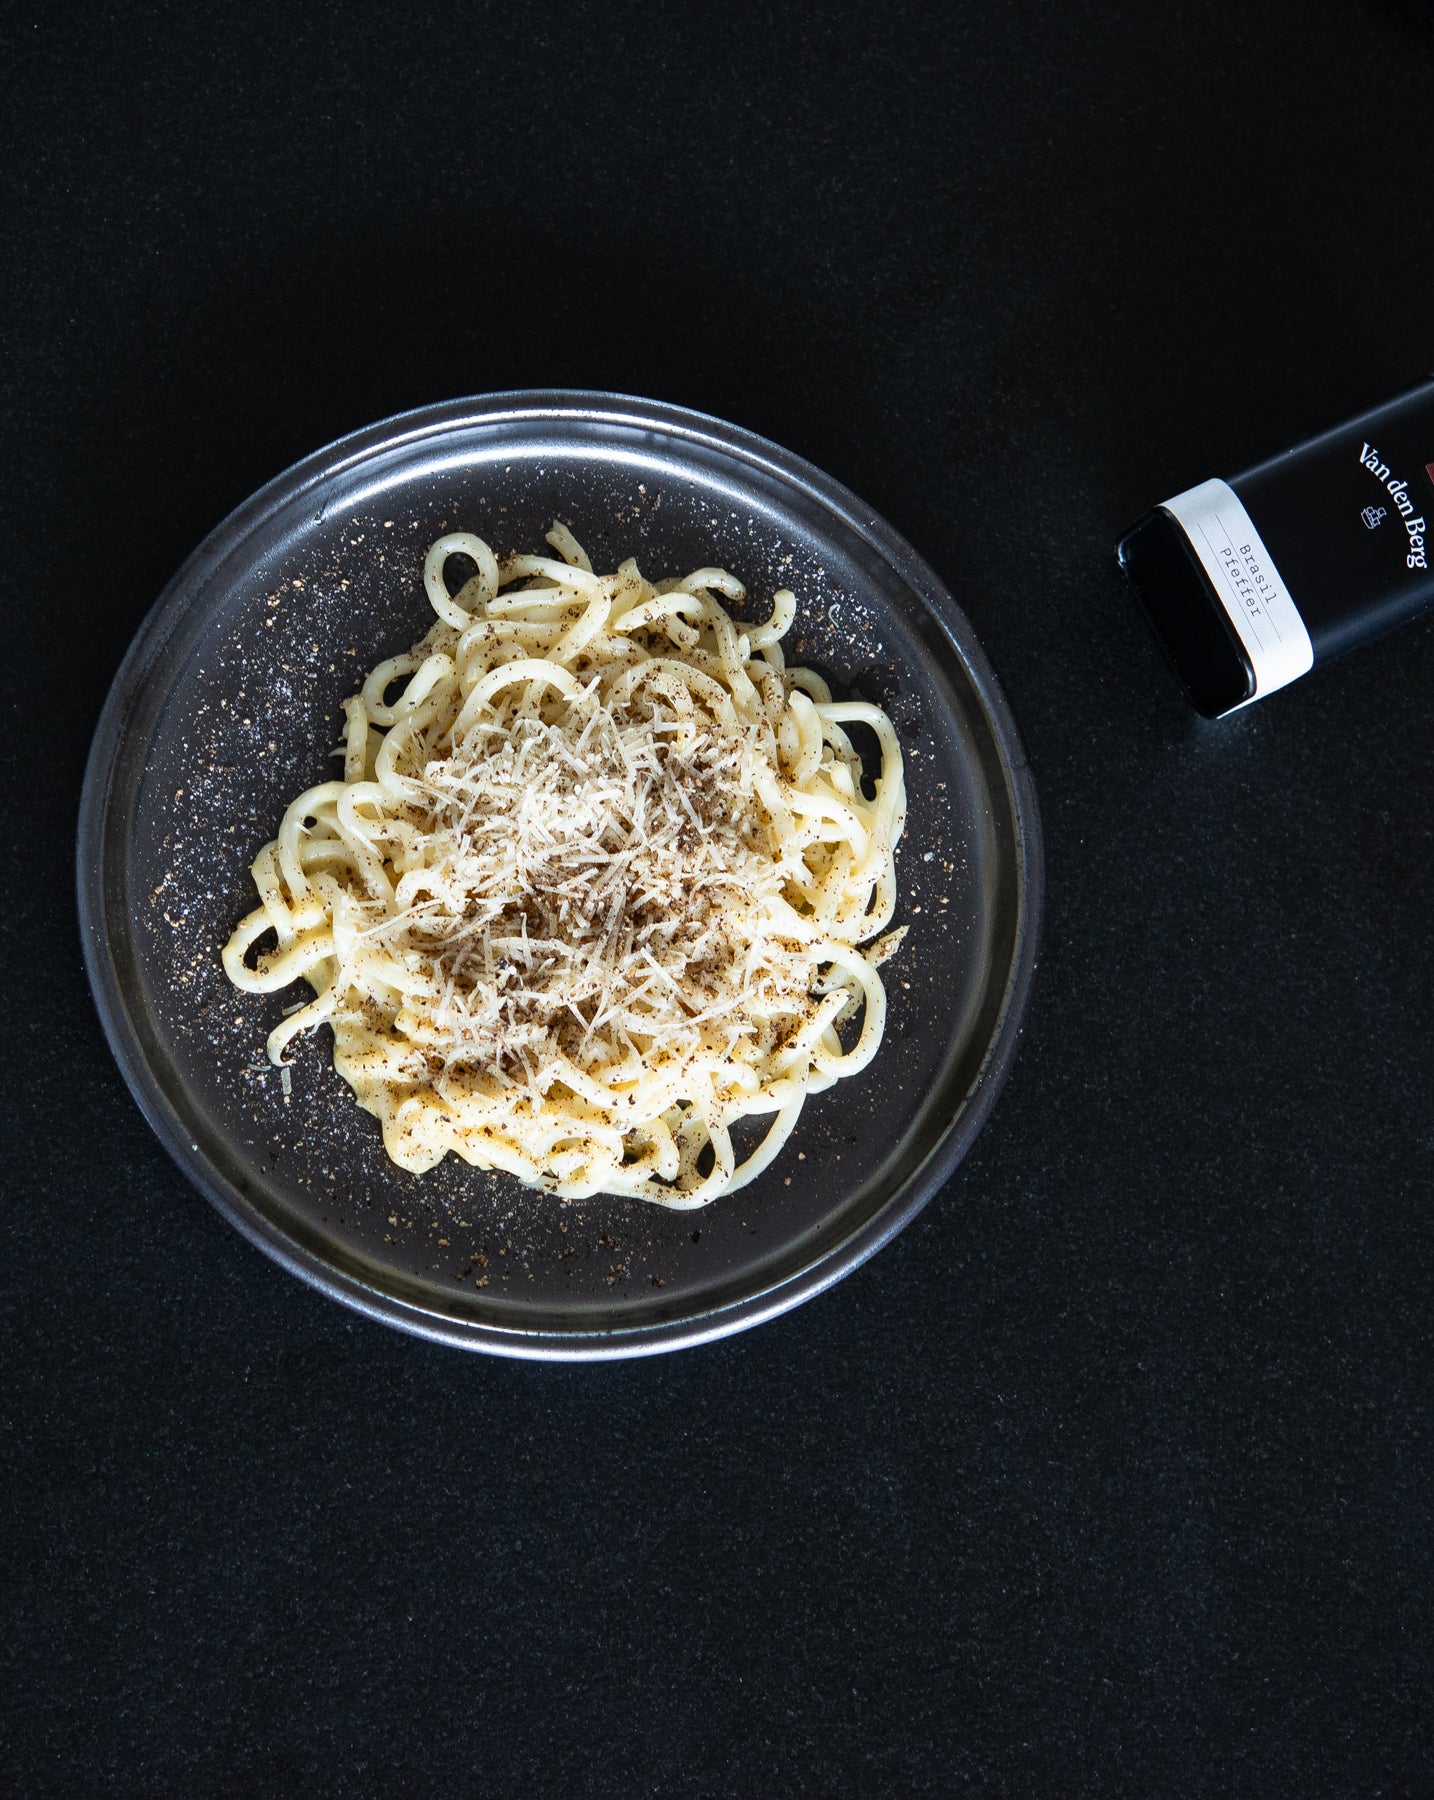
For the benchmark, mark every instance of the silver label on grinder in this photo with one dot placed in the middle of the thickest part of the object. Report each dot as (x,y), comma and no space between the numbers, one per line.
(1250,587)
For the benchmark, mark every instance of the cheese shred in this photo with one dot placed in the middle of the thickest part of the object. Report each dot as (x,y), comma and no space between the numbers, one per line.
(594,884)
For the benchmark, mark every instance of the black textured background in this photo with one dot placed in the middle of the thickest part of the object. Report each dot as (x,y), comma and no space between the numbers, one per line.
(1112,1475)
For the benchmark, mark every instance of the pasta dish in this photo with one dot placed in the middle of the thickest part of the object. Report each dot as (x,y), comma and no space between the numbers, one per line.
(602,877)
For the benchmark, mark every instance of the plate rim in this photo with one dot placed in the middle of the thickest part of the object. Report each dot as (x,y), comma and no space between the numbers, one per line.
(596,406)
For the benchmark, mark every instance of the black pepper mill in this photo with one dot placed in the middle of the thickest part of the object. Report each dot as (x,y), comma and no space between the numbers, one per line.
(1250,582)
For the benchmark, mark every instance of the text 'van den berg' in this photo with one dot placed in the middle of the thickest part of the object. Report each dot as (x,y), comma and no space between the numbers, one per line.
(1398,491)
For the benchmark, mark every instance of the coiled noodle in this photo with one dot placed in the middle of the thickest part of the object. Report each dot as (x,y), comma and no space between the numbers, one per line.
(594,884)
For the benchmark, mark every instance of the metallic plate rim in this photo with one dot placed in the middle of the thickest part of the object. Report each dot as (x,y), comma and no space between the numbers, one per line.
(673,422)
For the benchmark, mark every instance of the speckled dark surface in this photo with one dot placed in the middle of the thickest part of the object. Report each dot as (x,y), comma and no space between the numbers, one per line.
(1112,1474)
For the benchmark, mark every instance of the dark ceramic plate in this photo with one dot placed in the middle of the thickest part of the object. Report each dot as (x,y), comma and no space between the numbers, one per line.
(228,704)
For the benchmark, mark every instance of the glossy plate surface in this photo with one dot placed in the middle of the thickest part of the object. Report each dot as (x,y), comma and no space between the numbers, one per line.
(228,705)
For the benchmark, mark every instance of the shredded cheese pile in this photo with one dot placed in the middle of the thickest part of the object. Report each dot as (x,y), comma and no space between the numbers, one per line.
(594,884)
